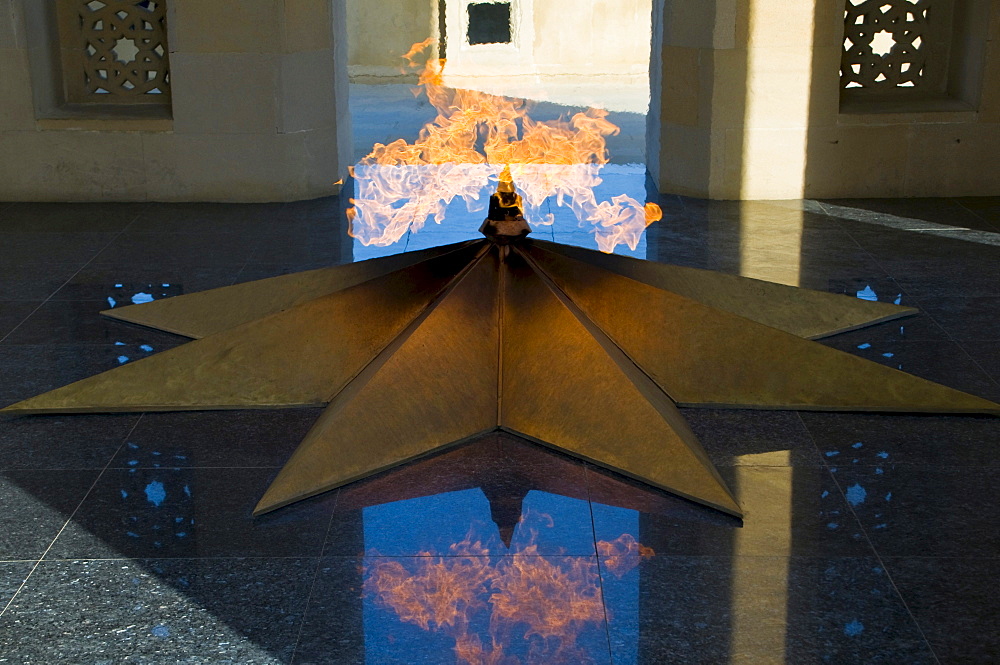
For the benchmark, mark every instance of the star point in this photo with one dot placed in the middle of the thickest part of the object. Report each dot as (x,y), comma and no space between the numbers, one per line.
(576,350)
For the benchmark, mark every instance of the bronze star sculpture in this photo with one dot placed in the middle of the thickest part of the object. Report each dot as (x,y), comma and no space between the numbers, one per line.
(586,352)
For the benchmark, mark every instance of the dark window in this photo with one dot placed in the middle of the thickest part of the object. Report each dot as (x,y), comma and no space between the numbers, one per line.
(489,23)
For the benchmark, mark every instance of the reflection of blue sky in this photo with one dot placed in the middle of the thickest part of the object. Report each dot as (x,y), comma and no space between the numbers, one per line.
(433,523)
(621,596)
(460,224)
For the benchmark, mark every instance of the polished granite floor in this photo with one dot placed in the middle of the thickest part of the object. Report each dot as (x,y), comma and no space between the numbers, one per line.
(129,538)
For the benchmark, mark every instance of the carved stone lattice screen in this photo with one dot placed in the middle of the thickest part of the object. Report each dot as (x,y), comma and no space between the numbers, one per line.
(886,43)
(114,51)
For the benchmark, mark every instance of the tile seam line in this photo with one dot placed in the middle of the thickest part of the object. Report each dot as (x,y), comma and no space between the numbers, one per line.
(878,555)
(70,278)
(69,519)
(312,585)
(600,566)
(971,211)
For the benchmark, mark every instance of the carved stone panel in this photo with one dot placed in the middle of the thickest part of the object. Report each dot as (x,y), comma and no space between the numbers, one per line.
(114,51)
(885,43)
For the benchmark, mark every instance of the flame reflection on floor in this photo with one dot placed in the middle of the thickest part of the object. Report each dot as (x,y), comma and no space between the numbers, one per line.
(503,610)
(458,155)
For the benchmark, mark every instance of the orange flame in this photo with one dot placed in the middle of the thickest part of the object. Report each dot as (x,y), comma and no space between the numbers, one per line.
(622,554)
(401,185)
(547,600)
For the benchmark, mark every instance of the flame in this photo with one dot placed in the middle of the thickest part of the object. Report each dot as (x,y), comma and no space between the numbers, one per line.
(547,601)
(399,186)
(622,554)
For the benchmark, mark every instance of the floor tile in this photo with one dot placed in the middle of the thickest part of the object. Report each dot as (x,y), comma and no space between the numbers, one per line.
(955,602)
(165,250)
(797,580)
(65,441)
(190,513)
(986,355)
(44,500)
(13,312)
(195,218)
(431,609)
(904,212)
(12,575)
(32,369)
(943,362)
(918,510)
(846,439)
(965,318)
(679,609)
(80,322)
(68,217)
(787,511)
(159,611)
(984,207)
(45,248)
(34,281)
(137,283)
(265,438)
(753,438)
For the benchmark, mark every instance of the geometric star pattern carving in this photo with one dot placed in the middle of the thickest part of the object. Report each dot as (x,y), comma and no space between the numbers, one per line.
(570,348)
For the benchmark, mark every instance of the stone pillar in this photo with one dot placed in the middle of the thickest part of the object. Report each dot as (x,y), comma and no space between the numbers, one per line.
(697,92)
(746,104)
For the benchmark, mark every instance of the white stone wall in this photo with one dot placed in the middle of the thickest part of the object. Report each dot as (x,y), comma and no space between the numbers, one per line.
(259,112)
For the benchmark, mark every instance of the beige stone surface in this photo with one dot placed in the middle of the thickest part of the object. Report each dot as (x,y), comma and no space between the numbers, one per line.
(11,25)
(685,158)
(225,93)
(307,98)
(772,163)
(724,79)
(871,158)
(214,167)
(16,109)
(71,166)
(778,87)
(829,27)
(776,23)
(308,25)
(225,26)
(700,24)
(989,104)
(681,85)
(953,160)
(322,168)
(824,99)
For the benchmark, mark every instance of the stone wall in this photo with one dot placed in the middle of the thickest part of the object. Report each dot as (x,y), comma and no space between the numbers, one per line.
(747,103)
(258,109)
(750,107)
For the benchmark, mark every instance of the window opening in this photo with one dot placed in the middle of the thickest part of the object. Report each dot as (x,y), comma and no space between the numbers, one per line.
(489,23)
(912,55)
